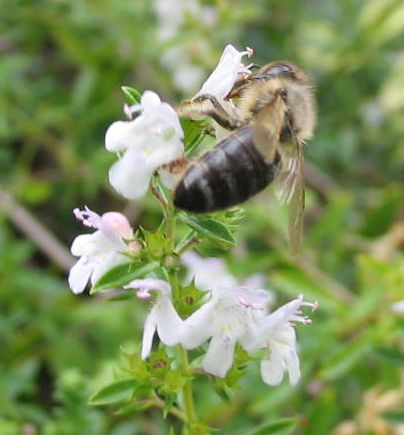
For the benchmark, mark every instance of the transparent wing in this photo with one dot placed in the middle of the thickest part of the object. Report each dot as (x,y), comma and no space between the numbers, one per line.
(290,190)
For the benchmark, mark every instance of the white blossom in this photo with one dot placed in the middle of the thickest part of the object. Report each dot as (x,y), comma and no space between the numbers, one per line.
(208,273)
(163,318)
(101,250)
(228,70)
(186,76)
(212,273)
(277,335)
(398,307)
(227,318)
(240,315)
(172,14)
(152,139)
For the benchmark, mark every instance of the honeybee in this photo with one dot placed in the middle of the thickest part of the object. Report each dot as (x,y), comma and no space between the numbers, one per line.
(275,116)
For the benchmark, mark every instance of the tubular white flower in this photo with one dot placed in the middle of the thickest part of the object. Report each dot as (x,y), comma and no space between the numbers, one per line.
(151,140)
(226,319)
(275,333)
(100,251)
(163,318)
(224,76)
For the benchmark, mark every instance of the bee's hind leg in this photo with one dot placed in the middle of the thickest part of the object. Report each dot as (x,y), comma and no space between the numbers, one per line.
(208,105)
(219,113)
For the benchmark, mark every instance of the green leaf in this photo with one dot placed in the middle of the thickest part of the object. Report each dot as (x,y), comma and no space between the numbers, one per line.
(391,357)
(133,95)
(282,426)
(115,392)
(189,300)
(210,228)
(345,359)
(156,243)
(184,241)
(124,296)
(123,274)
(396,418)
(194,132)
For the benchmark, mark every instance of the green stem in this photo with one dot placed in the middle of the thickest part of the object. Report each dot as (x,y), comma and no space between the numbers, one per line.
(187,396)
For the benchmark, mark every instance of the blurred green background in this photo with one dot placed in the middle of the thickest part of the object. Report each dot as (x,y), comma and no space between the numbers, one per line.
(61,67)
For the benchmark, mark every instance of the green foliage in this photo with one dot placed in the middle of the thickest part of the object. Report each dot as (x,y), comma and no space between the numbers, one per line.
(61,69)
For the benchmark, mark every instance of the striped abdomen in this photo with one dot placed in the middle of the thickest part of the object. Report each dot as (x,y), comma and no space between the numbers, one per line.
(225,176)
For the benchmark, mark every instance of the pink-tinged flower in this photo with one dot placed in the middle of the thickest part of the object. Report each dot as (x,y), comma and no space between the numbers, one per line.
(101,250)
(163,318)
(152,139)
(275,332)
(224,76)
(227,318)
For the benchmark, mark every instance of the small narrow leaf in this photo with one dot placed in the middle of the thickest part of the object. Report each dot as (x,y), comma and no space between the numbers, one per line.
(184,241)
(282,426)
(115,392)
(209,228)
(123,274)
(133,95)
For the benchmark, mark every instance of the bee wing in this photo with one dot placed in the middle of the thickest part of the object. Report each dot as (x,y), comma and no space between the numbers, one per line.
(267,127)
(291,191)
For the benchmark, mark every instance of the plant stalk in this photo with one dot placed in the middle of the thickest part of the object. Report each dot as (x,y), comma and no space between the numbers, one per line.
(187,394)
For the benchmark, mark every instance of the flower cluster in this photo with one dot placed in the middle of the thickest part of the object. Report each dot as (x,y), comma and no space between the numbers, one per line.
(232,313)
(229,316)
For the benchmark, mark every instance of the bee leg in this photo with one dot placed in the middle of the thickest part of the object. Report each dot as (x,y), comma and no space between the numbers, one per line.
(218,113)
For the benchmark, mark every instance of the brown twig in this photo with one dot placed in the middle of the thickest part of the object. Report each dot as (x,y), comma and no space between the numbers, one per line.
(322,183)
(29,225)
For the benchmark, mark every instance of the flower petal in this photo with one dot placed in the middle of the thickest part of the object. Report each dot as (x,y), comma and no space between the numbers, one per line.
(292,365)
(219,357)
(197,328)
(209,273)
(79,275)
(223,77)
(119,135)
(148,284)
(81,245)
(116,223)
(105,263)
(272,370)
(150,326)
(169,323)
(130,175)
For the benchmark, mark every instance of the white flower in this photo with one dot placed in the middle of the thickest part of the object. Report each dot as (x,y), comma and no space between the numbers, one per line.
(398,307)
(208,273)
(100,251)
(277,335)
(227,318)
(240,315)
(212,273)
(162,318)
(186,76)
(152,139)
(224,76)
(172,14)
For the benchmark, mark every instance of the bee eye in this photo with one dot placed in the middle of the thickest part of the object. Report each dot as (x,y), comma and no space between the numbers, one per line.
(276,70)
